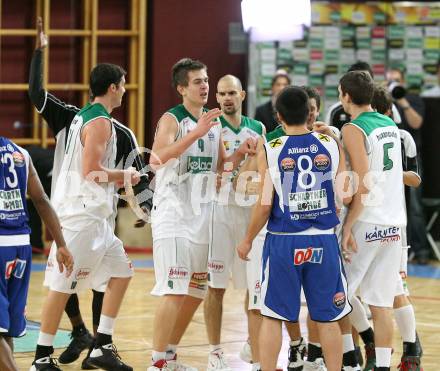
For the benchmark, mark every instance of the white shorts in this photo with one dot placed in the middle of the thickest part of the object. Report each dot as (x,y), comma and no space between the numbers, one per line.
(253,273)
(228,228)
(180,267)
(98,255)
(375,267)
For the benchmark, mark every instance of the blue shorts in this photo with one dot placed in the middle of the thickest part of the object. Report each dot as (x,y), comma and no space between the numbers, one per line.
(15,269)
(310,261)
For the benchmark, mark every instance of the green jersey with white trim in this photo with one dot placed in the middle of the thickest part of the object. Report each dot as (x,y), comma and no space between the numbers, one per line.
(383,205)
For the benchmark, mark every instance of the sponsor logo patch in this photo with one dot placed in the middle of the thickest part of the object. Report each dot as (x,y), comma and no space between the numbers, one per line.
(275,143)
(308,255)
(199,164)
(323,138)
(216,266)
(18,158)
(321,162)
(313,148)
(82,273)
(257,289)
(339,300)
(308,201)
(384,235)
(176,273)
(288,164)
(298,150)
(15,268)
(199,280)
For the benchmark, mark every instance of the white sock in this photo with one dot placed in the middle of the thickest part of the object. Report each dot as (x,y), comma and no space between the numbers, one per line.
(45,339)
(256,366)
(406,322)
(106,325)
(383,357)
(215,348)
(358,317)
(157,356)
(294,343)
(348,344)
(171,351)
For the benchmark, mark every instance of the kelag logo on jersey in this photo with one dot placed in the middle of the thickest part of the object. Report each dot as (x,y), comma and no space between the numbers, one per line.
(384,235)
(199,164)
(309,255)
(16,268)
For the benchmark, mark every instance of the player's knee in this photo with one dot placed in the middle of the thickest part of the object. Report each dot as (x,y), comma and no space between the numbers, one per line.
(400,301)
(215,293)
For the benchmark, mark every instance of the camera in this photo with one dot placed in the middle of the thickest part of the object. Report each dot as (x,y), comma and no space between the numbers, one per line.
(397,91)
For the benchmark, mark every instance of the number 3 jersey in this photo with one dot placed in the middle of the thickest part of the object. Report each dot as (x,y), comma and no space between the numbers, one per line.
(384,204)
(14,170)
(302,169)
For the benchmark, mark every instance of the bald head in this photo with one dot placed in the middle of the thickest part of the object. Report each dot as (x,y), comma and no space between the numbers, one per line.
(230,80)
(230,95)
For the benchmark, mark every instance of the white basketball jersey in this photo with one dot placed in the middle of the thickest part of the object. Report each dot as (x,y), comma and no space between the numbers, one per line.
(77,200)
(185,187)
(383,205)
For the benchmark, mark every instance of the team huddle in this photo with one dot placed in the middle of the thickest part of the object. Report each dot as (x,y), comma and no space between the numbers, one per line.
(303,214)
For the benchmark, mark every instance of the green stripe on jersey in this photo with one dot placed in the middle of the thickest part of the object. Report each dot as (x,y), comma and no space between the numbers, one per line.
(252,124)
(91,111)
(180,112)
(369,121)
(276,133)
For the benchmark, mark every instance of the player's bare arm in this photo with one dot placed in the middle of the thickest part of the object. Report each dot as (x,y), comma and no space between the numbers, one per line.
(411,179)
(355,147)
(251,186)
(166,147)
(262,208)
(49,217)
(41,40)
(94,138)
(343,183)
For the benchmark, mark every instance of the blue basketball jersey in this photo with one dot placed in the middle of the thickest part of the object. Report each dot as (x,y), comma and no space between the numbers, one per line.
(303,170)
(14,162)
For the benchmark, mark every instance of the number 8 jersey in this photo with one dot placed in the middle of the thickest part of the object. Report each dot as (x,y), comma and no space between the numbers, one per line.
(384,205)
(14,165)
(303,169)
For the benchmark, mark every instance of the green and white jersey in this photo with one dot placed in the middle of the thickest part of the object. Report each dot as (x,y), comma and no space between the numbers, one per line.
(185,186)
(232,139)
(77,200)
(384,203)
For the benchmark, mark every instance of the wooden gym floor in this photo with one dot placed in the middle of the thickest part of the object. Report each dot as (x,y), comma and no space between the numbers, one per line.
(133,335)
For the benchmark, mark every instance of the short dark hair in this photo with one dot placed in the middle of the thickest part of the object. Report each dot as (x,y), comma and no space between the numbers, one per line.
(181,68)
(280,75)
(313,93)
(102,76)
(359,86)
(293,105)
(382,101)
(361,66)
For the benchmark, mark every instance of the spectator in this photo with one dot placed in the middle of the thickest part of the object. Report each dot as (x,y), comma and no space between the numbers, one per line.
(266,112)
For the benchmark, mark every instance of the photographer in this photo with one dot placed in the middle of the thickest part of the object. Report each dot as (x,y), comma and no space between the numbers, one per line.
(412,111)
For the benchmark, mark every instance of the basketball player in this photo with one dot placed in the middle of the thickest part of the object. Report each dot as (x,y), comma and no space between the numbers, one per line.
(299,200)
(297,346)
(84,199)
(403,310)
(59,116)
(375,215)
(18,177)
(231,216)
(188,141)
